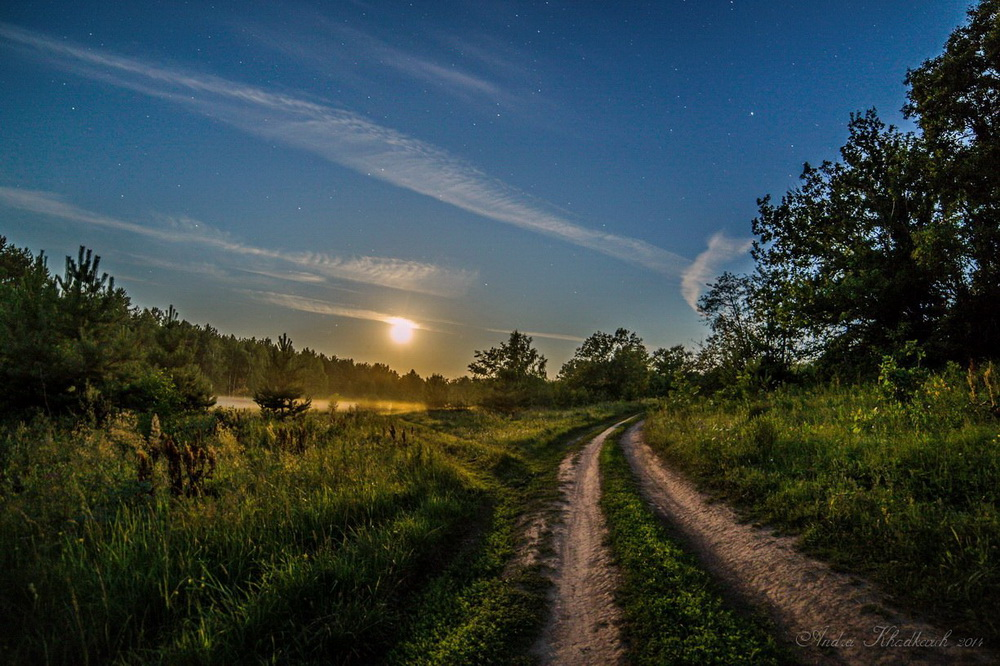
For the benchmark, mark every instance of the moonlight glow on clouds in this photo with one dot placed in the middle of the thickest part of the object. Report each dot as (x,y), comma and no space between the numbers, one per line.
(385,272)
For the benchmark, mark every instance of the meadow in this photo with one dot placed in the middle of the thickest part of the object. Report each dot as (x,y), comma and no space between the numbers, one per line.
(897,480)
(337,537)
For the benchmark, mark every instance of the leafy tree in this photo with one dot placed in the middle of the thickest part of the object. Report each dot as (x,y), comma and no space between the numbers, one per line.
(670,368)
(280,392)
(514,373)
(436,392)
(856,259)
(411,386)
(608,367)
(513,362)
(955,98)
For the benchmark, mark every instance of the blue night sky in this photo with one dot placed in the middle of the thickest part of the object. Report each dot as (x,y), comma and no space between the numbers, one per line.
(319,168)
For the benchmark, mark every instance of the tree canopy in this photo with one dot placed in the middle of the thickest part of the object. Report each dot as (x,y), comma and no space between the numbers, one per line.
(895,243)
(609,367)
(514,372)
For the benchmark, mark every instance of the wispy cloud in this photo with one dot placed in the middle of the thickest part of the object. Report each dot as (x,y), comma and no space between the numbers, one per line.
(536,334)
(705,267)
(322,42)
(350,140)
(302,304)
(291,276)
(380,271)
(210,270)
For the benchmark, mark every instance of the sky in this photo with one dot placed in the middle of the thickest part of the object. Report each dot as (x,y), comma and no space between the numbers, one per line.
(325,169)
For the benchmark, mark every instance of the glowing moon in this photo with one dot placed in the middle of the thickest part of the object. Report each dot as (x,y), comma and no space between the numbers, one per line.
(401,330)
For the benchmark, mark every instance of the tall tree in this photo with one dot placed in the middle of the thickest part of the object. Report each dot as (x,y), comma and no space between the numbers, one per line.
(751,346)
(514,372)
(670,368)
(955,98)
(856,257)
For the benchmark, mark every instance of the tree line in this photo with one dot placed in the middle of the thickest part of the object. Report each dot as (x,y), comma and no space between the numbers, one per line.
(74,343)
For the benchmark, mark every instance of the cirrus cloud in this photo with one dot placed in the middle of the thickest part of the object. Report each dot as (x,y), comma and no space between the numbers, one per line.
(348,139)
(706,266)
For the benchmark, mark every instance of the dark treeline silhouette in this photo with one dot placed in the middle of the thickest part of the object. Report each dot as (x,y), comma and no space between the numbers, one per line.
(606,367)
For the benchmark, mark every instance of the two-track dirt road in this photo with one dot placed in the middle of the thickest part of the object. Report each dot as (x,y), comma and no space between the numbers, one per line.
(824,616)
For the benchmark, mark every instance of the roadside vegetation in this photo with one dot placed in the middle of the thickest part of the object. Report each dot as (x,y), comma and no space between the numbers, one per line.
(849,391)
(674,613)
(906,492)
(232,537)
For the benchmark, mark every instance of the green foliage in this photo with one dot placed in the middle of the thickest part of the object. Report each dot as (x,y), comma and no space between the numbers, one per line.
(66,344)
(900,374)
(898,240)
(674,613)
(230,538)
(436,392)
(280,393)
(847,252)
(608,367)
(670,370)
(751,346)
(955,98)
(849,467)
(514,374)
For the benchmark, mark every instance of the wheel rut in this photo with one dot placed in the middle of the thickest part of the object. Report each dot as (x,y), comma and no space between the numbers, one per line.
(584,625)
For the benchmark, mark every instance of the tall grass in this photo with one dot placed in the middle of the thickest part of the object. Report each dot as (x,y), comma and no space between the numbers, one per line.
(303,541)
(905,492)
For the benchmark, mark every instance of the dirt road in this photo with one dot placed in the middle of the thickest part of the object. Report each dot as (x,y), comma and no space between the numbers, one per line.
(583,627)
(825,616)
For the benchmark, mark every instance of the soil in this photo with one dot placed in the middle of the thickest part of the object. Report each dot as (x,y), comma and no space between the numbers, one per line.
(824,616)
(584,624)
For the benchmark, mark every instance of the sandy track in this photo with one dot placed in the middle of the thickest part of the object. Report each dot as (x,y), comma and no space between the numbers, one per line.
(824,615)
(584,624)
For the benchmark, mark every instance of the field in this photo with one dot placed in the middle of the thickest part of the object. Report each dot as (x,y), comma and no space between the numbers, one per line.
(224,538)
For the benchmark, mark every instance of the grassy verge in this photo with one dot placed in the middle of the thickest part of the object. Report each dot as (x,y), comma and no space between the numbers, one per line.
(481,610)
(846,469)
(242,540)
(673,612)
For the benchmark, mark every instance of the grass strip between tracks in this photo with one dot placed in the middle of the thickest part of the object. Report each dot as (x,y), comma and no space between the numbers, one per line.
(673,611)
